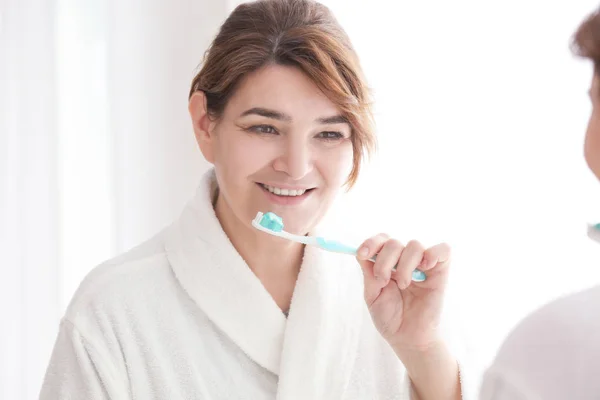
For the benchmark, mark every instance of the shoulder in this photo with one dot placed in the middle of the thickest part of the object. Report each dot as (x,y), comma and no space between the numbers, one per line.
(555,347)
(565,320)
(120,281)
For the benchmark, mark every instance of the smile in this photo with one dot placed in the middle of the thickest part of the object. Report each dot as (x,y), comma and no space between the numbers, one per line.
(284,192)
(286,196)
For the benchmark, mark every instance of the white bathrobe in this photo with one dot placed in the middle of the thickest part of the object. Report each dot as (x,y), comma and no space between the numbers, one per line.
(183,317)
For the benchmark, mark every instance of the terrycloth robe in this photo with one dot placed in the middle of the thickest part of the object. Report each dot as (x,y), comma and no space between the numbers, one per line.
(183,317)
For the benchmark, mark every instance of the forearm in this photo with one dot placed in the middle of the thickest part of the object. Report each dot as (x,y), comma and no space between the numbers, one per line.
(433,372)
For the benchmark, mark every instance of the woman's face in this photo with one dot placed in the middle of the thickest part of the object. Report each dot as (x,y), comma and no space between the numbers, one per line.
(592,136)
(280,146)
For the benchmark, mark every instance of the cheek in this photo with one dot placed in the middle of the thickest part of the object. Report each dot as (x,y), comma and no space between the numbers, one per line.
(240,154)
(592,145)
(336,164)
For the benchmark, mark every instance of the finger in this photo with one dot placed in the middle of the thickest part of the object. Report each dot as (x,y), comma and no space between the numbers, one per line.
(411,258)
(386,260)
(438,255)
(372,286)
(371,246)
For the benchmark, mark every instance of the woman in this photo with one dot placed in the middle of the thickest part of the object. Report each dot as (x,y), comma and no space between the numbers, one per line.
(212,308)
(555,352)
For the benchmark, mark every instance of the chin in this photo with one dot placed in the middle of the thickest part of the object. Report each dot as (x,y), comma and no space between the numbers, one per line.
(593,164)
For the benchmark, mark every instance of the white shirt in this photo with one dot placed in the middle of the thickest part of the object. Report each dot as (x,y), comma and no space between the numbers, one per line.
(183,317)
(554,354)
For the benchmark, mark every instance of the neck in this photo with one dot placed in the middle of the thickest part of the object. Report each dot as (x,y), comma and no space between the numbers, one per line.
(275,261)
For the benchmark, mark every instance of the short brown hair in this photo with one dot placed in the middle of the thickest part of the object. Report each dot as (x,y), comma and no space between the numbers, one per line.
(300,33)
(586,41)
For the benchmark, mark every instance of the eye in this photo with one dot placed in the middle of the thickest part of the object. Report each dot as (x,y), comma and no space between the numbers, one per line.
(331,135)
(263,129)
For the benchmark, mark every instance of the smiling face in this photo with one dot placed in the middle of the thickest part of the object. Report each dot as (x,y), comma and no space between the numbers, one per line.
(281,145)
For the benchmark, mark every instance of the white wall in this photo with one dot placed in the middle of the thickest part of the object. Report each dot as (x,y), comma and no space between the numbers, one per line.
(28,194)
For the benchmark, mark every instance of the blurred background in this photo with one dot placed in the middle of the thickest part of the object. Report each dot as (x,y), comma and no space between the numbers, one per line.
(480,110)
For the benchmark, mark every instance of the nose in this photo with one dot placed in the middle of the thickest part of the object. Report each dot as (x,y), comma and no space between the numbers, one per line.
(295,159)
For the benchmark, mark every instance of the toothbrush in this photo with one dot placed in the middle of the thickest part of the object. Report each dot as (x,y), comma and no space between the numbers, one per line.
(273,224)
(593,232)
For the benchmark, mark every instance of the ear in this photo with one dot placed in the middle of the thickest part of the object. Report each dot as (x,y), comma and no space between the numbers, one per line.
(202,124)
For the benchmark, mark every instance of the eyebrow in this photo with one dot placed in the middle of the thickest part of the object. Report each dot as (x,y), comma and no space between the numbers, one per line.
(267,113)
(264,112)
(336,119)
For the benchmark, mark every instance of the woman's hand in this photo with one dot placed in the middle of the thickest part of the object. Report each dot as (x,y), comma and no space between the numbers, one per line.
(406,313)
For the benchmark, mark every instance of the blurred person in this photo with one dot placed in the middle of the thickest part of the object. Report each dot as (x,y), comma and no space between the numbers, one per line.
(554,354)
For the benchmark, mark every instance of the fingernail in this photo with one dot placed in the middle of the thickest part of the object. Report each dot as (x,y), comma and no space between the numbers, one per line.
(363,252)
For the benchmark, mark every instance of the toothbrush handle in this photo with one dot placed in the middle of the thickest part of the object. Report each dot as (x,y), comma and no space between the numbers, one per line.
(332,245)
(417,275)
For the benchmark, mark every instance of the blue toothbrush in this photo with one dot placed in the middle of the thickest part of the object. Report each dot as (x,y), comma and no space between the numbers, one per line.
(273,224)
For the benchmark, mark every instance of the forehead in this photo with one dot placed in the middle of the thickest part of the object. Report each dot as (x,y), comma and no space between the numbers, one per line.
(282,88)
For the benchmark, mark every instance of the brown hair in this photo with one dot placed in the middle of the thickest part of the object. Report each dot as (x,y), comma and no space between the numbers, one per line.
(586,41)
(300,33)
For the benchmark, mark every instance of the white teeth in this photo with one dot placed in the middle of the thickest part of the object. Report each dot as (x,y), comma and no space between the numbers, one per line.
(284,192)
